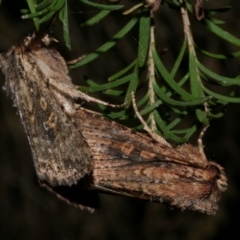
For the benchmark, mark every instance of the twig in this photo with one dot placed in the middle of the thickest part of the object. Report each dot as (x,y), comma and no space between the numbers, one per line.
(200,143)
(151,73)
(155,136)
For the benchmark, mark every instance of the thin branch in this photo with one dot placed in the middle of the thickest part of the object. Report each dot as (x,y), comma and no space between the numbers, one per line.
(200,144)
(155,136)
(151,74)
(190,41)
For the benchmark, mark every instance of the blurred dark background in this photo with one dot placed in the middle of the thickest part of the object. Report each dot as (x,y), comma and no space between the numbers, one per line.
(30,212)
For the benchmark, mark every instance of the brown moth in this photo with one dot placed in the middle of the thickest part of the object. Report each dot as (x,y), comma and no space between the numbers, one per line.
(78,153)
(37,79)
(132,164)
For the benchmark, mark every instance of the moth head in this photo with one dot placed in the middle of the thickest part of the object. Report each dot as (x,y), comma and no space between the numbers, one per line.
(37,41)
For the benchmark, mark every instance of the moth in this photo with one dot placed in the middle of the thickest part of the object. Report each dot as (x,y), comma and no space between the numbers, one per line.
(133,164)
(37,79)
(78,153)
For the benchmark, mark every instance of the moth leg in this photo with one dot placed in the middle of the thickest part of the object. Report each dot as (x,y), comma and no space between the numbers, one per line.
(74,61)
(133,8)
(200,143)
(155,136)
(88,98)
(74,93)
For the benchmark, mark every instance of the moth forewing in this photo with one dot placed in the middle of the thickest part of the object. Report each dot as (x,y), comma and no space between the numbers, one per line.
(156,182)
(132,164)
(60,153)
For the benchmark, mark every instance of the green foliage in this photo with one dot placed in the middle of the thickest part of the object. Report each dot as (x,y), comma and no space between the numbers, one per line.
(178,98)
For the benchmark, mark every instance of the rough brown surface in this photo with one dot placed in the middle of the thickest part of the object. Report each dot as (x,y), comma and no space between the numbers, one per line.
(37,79)
(68,144)
(30,212)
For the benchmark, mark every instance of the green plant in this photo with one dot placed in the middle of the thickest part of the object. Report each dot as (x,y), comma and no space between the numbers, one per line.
(192,93)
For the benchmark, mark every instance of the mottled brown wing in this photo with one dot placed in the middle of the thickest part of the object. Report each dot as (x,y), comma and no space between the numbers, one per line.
(131,164)
(60,153)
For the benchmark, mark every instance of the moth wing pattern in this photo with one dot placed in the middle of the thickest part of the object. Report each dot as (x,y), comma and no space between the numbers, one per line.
(60,153)
(132,164)
(78,153)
